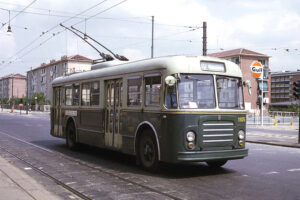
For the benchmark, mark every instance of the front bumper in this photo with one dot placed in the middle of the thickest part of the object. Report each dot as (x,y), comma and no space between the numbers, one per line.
(201,156)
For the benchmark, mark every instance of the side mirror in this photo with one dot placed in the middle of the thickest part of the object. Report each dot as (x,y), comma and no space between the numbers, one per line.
(170,80)
(248,84)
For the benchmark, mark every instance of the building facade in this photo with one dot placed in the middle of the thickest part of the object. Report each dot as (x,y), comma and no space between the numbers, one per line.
(282,87)
(13,86)
(40,78)
(244,58)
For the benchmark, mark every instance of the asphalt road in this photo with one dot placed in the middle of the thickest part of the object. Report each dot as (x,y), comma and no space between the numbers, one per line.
(269,172)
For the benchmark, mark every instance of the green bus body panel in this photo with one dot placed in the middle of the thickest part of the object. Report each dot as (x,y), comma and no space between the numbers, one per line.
(175,127)
(171,129)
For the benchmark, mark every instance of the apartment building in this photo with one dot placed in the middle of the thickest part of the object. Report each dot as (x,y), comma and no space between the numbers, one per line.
(13,86)
(40,78)
(282,87)
(244,58)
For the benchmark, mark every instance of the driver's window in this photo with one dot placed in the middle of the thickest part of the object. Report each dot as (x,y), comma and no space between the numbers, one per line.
(171,97)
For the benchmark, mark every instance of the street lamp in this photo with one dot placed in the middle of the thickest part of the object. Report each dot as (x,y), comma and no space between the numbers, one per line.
(9,27)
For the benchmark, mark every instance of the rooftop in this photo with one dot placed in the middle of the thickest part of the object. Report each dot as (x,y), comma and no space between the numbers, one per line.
(285,73)
(237,52)
(75,58)
(13,76)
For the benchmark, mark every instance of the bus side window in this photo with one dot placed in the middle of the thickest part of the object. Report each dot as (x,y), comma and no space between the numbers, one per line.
(171,97)
(68,96)
(152,90)
(76,95)
(134,97)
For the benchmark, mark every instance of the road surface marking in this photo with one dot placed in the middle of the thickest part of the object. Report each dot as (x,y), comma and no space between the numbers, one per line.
(293,170)
(45,149)
(273,172)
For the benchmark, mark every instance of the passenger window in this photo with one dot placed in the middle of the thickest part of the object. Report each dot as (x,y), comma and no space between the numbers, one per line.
(76,95)
(90,94)
(95,92)
(152,90)
(68,96)
(134,91)
(85,94)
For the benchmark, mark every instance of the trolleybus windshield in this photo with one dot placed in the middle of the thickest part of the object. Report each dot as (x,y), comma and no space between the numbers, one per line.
(197,92)
(229,92)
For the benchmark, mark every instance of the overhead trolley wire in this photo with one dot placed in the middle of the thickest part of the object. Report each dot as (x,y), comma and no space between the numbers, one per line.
(43,33)
(18,14)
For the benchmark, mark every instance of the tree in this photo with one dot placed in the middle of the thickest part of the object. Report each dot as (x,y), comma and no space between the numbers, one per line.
(40,99)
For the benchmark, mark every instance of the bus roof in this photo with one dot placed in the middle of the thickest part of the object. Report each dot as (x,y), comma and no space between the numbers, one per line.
(172,64)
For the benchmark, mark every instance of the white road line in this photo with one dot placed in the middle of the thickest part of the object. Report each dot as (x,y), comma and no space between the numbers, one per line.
(293,170)
(45,149)
(273,172)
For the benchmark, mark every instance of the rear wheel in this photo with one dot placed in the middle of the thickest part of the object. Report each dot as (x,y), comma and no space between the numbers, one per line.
(147,151)
(71,136)
(216,164)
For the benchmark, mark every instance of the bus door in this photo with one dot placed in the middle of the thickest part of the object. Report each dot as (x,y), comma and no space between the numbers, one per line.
(113,90)
(58,92)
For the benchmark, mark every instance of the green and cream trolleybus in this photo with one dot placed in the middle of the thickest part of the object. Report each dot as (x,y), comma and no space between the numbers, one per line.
(169,109)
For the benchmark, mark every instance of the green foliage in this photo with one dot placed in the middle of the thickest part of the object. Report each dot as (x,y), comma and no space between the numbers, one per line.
(290,108)
(40,99)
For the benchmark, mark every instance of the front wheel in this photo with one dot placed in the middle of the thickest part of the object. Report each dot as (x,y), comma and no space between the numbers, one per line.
(216,164)
(71,137)
(147,151)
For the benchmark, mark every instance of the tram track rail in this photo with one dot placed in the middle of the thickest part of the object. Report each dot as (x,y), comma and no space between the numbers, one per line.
(85,164)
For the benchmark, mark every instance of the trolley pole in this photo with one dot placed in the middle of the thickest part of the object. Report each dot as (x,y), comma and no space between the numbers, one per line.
(152,38)
(204,50)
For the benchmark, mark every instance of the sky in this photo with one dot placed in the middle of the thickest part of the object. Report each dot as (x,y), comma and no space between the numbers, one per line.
(270,27)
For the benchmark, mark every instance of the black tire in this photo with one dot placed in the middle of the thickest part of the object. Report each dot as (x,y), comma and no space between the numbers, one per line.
(148,151)
(216,164)
(71,136)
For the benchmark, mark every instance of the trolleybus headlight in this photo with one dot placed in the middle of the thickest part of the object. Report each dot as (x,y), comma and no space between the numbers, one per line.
(241,135)
(190,136)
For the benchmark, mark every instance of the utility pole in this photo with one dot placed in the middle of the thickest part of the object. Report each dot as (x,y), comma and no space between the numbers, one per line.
(262,100)
(2,95)
(152,38)
(204,50)
(27,94)
(12,94)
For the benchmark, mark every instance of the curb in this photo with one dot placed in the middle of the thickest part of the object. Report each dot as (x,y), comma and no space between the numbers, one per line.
(273,144)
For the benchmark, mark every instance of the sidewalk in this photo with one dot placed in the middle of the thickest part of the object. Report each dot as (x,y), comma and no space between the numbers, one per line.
(17,185)
(274,138)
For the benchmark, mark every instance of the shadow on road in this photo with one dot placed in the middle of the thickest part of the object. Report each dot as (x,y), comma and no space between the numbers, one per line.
(121,163)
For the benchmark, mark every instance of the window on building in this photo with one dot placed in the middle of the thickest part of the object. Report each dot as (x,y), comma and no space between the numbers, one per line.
(43,71)
(265,85)
(134,91)
(152,89)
